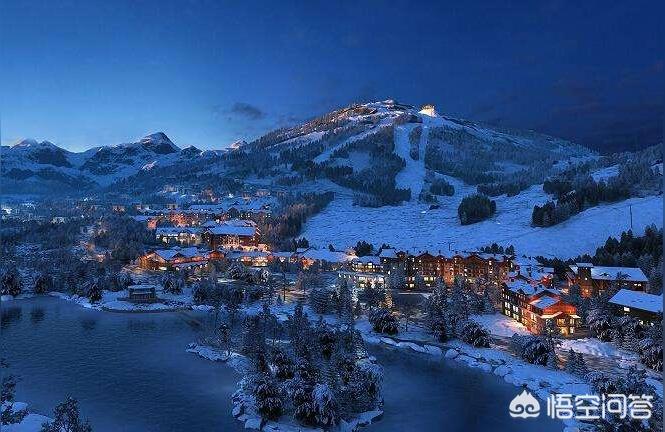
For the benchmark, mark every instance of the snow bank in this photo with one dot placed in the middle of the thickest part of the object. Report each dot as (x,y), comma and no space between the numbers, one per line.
(597,348)
(500,325)
(30,423)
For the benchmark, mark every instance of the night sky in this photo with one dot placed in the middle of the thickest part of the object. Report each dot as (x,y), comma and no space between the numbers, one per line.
(208,73)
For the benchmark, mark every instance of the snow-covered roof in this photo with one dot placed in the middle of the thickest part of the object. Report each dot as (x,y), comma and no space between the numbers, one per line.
(388,253)
(545,301)
(239,222)
(282,254)
(520,286)
(248,254)
(143,287)
(632,274)
(207,207)
(165,231)
(247,231)
(368,259)
(168,254)
(326,255)
(638,300)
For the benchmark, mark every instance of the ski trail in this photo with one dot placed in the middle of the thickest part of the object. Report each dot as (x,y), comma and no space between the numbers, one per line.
(413,174)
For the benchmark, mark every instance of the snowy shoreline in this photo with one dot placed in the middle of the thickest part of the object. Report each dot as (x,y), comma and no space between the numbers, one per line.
(243,409)
(537,379)
(30,423)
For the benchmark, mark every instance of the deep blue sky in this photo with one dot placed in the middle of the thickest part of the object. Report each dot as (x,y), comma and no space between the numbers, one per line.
(209,72)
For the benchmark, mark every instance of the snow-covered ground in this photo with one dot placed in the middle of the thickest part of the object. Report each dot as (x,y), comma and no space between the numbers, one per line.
(30,423)
(500,325)
(413,174)
(598,348)
(114,302)
(605,173)
(413,226)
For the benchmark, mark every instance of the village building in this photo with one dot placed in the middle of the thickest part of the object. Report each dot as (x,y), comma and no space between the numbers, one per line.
(142,293)
(231,235)
(531,271)
(367,264)
(333,260)
(249,258)
(648,308)
(595,279)
(178,258)
(535,306)
(360,280)
(183,236)
(389,259)
(447,267)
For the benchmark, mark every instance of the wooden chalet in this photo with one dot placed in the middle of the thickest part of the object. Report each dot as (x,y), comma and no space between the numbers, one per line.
(595,279)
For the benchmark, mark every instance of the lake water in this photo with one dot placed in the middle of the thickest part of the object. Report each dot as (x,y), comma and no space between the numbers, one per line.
(130,372)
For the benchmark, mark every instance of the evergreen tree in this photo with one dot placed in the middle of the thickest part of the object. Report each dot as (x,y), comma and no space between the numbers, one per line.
(345,309)
(67,418)
(320,300)
(267,398)
(325,405)
(580,366)
(10,283)
(43,283)
(571,362)
(7,394)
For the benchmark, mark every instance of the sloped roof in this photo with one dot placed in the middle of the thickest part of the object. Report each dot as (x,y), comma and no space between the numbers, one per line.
(631,274)
(544,301)
(246,231)
(169,254)
(638,300)
(368,259)
(388,253)
(326,255)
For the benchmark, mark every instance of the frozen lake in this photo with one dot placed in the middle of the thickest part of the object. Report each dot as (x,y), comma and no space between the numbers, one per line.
(130,372)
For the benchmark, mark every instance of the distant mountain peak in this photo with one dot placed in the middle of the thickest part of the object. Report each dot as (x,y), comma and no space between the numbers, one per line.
(159,143)
(31,142)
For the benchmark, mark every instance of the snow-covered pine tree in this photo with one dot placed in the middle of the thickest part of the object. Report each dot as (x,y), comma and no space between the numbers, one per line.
(66,417)
(552,361)
(458,309)
(320,300)
(267,398)
(396,278)
(581,368)
(571,362)
(475,335)
(345,308)
(325,405)
(383,321)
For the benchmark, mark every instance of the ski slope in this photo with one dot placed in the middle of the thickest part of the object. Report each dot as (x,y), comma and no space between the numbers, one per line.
(412,226)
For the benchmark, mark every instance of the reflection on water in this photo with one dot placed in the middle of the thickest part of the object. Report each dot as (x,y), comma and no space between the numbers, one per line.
(10,315)
(137,325)
(131,373)
(88,324)
(37,315)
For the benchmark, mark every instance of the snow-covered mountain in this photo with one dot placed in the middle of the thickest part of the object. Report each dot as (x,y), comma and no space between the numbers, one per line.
(42,167)
(384,149)
(398,173)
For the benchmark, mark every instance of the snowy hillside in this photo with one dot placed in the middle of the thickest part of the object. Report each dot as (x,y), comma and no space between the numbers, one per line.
(414,226)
